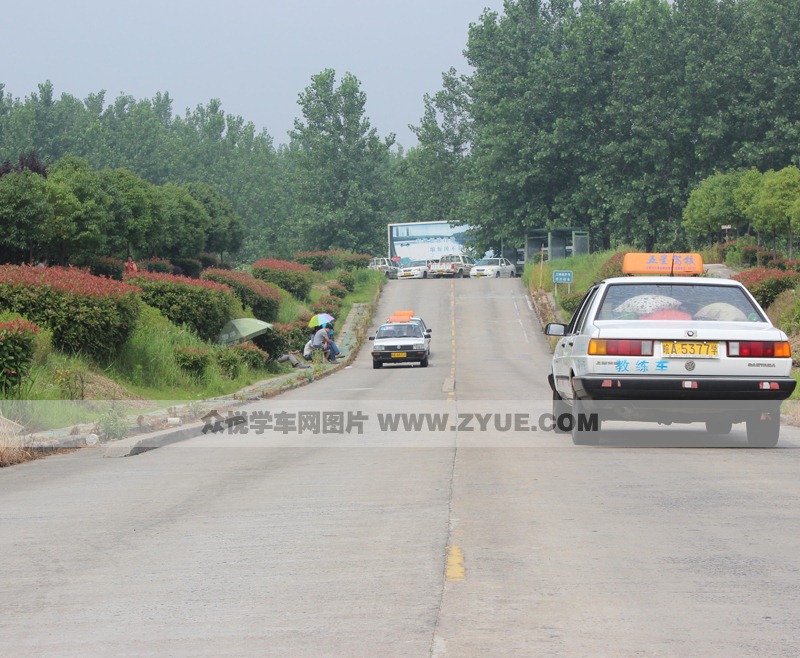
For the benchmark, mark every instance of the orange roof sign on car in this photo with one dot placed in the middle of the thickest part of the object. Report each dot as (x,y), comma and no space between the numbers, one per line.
(670,264)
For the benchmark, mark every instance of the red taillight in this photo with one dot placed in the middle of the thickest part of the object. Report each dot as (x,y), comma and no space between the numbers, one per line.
(758,349)
(620,347)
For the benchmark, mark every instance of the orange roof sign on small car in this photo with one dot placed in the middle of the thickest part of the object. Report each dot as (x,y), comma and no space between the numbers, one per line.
(670,264)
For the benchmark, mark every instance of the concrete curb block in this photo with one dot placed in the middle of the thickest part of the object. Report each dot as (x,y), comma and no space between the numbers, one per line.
(139,444)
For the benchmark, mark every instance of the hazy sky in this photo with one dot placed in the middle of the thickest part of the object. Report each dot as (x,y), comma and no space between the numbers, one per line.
(256,57)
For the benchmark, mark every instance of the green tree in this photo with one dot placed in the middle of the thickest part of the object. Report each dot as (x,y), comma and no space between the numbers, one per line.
(82,215)
(24,209)
(132,210)
(225,232)
(778,202)
(338,168)
(431,177)
(712,204)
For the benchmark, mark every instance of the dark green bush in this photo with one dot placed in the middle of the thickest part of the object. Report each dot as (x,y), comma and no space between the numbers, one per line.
(229,361)
(570,302)
(352,262)
(107,266)
(292,277)
(347,280)
(192,360)
(157,265)
(337,290)
(205,306)
(190,267)
(284,337)
(17,345)
(251,355)
(320,261)
(263,298)
(208,260)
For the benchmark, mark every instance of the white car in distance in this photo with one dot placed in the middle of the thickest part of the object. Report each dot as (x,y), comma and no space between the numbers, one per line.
(494,268)
(417,269)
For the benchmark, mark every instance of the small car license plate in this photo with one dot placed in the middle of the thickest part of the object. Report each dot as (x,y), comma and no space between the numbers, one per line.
(399,355)
(683,349)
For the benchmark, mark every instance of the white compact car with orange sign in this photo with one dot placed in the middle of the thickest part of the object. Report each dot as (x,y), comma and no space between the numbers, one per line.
(674,348)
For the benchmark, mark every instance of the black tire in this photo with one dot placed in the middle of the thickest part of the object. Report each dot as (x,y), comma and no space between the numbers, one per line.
(764,429)
(560,408)
(377,364)
(459,274)
(719,426)
(424,275)
(497,276)
(582,437)
(512,275)
(424,362)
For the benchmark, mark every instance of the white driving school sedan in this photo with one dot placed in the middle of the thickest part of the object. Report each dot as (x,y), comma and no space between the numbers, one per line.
(417,269)
(400,342)
(493,267)
(672,349)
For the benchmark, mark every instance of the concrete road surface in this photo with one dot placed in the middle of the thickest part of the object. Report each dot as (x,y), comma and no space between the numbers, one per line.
(472,538)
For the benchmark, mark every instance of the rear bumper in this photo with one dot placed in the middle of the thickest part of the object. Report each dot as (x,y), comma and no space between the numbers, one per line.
(604,387)
(411,356)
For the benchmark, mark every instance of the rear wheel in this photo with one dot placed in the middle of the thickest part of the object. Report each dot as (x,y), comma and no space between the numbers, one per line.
(513,274)
(377,364)
(581,436)
(719,426)
(560,409)
(459,274)
(763,429)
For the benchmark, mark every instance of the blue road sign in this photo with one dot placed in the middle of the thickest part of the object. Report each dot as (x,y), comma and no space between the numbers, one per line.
(562,276)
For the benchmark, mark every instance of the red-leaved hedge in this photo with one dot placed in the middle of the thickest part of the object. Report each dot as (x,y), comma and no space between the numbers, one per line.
(16,352)
(262,297)
(204,306)
(86,313)
(766,284)
(292,277)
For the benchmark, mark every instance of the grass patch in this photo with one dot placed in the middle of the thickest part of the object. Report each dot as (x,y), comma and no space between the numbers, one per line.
(585,271)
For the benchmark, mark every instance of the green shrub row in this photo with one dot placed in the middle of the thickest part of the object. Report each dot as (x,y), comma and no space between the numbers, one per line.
(204,306)
(263,298)
(324,261)
(295,278)
(87,314)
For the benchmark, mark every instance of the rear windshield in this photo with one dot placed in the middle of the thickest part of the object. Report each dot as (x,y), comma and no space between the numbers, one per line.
(677,301)
(400,331)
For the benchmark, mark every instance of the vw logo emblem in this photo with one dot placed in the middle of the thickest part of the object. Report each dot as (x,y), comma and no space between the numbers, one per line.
(690,365)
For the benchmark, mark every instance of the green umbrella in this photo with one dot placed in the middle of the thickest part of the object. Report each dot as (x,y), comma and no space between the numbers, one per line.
(242,329)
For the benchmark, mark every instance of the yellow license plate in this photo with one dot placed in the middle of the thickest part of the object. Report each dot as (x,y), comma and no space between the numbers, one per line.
(682,349)
(399,355)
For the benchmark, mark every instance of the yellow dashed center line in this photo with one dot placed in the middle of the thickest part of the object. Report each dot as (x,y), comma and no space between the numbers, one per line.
(455,572)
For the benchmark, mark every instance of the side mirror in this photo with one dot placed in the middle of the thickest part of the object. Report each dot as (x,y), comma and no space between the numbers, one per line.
(555,329)
(371,338)
(428,332)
